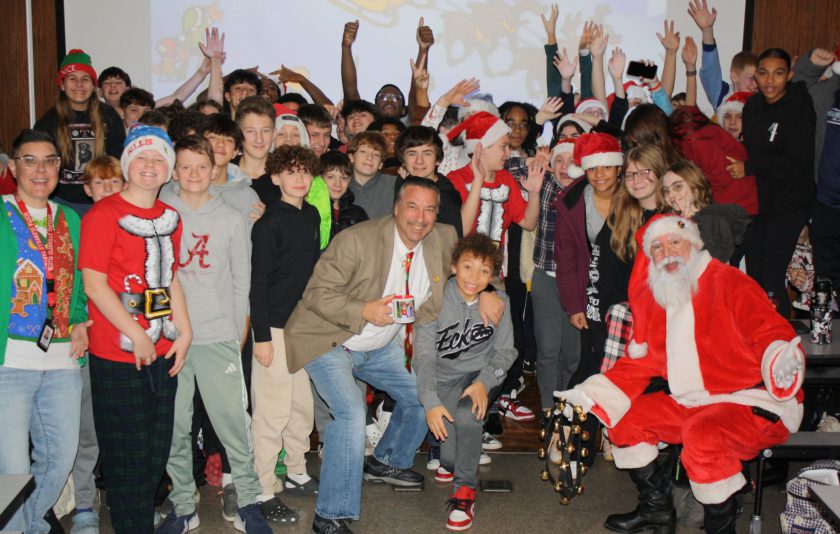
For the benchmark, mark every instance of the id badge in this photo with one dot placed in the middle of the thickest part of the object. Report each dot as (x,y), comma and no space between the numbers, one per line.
(47,332)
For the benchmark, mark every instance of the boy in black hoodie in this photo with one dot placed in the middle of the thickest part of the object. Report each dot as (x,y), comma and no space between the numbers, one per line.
(337,171)
(779,124)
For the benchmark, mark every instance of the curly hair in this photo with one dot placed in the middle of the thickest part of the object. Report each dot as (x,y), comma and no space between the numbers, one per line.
(479,246)
(288,158)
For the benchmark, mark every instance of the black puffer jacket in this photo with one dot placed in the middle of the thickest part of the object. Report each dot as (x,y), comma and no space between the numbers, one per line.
(348,214)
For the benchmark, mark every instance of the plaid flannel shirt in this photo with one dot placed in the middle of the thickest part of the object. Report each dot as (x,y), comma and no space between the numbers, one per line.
(544,244)
(619,332)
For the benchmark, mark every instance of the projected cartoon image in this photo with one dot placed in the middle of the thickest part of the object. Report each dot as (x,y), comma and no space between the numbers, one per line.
(176,54)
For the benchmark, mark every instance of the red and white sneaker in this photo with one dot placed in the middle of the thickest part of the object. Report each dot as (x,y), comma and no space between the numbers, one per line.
(444,475)
(514,409)
(461,509)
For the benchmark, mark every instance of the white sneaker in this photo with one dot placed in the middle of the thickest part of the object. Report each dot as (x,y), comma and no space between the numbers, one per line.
(489,443)
(484,459)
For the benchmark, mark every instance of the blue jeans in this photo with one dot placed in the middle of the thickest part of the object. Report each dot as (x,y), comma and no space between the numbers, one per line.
(340,493)
(45,406)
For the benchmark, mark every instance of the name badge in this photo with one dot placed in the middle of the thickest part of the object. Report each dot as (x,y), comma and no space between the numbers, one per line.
(45,338)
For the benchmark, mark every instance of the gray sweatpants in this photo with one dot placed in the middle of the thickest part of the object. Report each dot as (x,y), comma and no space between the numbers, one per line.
(461,451)
(83,480)
(558,342)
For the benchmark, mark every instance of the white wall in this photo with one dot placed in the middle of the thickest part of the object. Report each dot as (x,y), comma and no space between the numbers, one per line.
(118,32)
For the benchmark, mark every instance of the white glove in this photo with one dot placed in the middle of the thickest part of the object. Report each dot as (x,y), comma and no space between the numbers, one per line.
(787,364)
(574,397)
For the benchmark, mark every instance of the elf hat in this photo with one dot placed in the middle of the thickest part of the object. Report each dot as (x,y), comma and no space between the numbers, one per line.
(141,138)
(589,103)
(76,61)
(595,150)
(291,119)
(481,127)
(733,103)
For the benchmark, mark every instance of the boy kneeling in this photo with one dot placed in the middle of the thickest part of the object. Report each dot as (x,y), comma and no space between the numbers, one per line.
(459,361)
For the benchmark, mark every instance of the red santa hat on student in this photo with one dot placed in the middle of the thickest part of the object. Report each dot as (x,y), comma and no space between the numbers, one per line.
(733,103)
(589,103)
(481,127)
(639,292)
(566,146)
(595,150)
(478,102)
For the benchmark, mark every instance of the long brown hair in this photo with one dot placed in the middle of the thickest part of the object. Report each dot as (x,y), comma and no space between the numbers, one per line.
(626,214)
(695,180)
(648,125)
(65,118)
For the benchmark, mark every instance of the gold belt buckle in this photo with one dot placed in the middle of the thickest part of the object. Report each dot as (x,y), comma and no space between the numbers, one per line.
(151,303)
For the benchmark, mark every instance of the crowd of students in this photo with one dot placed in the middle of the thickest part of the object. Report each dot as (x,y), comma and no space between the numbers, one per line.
(153,254)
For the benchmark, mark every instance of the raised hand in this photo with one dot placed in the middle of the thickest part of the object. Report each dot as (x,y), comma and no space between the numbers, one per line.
(550,25)
(616,63)
(456,95)
(586,35)
(699,11)
(536,172)
(420,75)
(599,43)
(479,174)
(214,45)
(425,36)
(287,75)
(350,31)
(822,58)
(565,66)
(671,39)
(651,82)
(689,52)
(549,110)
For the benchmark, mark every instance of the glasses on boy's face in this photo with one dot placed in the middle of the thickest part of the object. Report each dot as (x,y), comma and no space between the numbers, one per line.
(31,162)
(644,174)
(513,125)
(388,98)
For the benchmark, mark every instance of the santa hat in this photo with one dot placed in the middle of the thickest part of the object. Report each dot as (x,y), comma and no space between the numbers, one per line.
(141,138)
(589,103)
(639,293)
(734,103)
(291,119)
(481,127)
(585,126)
(566,146)
(835,67)
(479,102)
(280,109)
(632,90)
(76,61)
(595,150)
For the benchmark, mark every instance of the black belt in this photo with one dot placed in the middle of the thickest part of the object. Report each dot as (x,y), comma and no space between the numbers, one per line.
(151,303)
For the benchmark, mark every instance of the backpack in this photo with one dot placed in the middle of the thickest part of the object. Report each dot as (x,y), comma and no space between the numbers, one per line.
(803,513)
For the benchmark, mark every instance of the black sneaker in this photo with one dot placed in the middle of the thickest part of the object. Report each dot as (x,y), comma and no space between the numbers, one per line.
(321,525)
(376,471)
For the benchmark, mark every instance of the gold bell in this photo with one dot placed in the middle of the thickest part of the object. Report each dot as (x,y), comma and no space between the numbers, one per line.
(570,448)
(580,490)
(558,486)
(583,470)
(557,426)
(565,500)
(575,429)
(584,452)
(582,417)
(578,410)
(547,413)
(584,436)
(541,453)
(542,433)
(561,406)
(544,474)
(563,465)
(559,445)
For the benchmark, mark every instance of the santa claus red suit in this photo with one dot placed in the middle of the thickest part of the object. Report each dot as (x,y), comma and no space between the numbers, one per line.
(729,375)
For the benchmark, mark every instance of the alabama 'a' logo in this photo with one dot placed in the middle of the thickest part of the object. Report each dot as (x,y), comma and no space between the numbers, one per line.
(199,250)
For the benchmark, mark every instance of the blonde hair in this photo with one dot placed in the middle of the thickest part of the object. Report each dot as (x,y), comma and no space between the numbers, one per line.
(626,214)
(66,117)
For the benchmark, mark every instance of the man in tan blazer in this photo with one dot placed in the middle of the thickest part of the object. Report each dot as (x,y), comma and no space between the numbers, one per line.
(342,328)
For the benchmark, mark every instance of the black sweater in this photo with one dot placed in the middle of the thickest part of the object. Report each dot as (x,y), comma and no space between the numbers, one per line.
(348,214)
(286,246)
(780,141)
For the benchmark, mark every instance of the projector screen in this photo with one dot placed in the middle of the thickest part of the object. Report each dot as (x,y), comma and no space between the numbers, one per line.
(500,42)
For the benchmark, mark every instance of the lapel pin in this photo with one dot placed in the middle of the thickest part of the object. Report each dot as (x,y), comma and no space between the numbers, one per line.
(436,279)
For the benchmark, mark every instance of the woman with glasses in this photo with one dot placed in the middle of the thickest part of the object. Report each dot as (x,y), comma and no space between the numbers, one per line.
(687,192)
(82,126)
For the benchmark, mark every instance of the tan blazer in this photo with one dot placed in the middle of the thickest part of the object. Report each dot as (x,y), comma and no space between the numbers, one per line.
(352,271)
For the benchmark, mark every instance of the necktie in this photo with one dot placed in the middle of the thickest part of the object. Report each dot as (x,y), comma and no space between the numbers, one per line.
(409,348)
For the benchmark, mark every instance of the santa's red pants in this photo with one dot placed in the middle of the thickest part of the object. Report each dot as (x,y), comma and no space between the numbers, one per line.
(715,438)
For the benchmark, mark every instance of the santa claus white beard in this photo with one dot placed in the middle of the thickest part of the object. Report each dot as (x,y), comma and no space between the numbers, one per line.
(673,288)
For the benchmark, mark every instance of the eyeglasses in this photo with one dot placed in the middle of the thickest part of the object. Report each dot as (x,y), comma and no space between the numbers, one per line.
(389,98)
(644,174)
(517,125)
(31,162)
(676,187)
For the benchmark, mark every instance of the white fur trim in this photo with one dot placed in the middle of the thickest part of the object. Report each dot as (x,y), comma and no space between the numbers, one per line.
(607,396)
(683,360)
(790,411)
(476,105)
(636,91)
(585,126)
(835,67)
(769,359)
(716,492)
(590,103)
(637,350)
(292,120)
(634,456)
(493,134)
(672,224)
(602,159)
(562,148)
(737,107)
(574,171)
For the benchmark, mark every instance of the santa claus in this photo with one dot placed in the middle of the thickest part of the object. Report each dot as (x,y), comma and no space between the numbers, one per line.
(712,365)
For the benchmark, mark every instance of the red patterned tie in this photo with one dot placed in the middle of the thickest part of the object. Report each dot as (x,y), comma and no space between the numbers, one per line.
(409,348)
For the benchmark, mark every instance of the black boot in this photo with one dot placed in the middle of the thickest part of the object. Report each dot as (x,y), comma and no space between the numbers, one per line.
(720,518)
(656,508)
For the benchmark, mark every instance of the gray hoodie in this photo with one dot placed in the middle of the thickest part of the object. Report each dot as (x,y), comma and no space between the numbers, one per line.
(237,192)
(458,343)
(214,267)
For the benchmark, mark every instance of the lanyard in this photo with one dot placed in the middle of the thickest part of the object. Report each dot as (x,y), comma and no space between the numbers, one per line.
(48,253)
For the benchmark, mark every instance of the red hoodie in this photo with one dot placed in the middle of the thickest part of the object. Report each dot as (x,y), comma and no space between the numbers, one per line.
(708,147)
